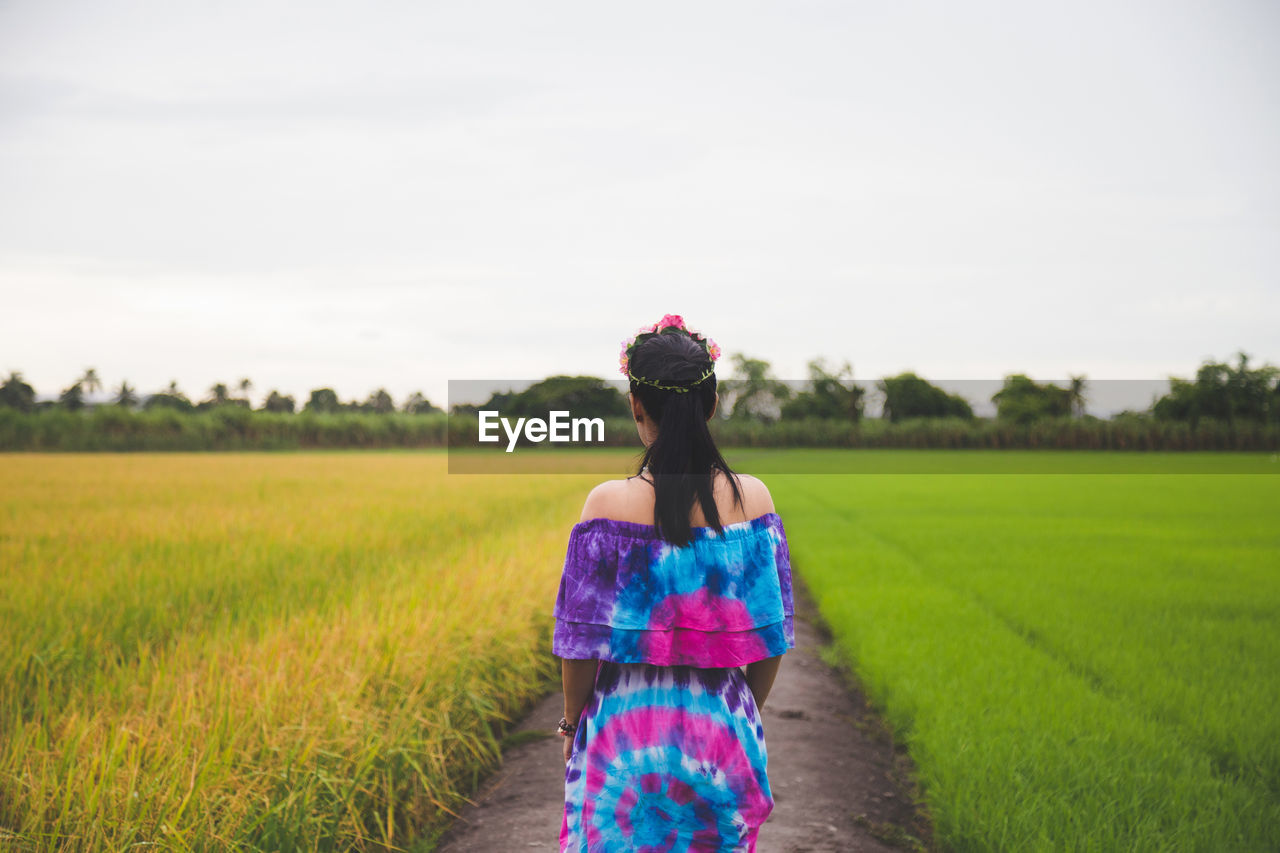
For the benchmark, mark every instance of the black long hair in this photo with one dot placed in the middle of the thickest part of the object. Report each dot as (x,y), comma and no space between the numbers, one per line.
(683,458)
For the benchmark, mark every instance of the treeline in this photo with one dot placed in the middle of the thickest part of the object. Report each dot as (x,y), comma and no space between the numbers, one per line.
(1220,392)
(115,428)
(1225,407)
(15,393)
(109,428)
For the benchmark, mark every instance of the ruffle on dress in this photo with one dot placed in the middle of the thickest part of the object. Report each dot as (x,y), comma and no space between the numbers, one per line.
(628,596)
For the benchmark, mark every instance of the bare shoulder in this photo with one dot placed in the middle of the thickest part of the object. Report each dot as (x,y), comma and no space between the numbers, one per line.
(624,500)
(756,499)
(601,500)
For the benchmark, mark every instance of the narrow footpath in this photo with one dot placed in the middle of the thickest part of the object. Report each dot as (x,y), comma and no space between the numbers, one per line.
(838,782)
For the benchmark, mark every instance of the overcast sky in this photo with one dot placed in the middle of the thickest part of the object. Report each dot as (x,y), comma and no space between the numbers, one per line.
(374,194)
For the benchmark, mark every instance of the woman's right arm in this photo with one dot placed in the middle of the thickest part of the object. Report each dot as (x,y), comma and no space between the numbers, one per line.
(579,677)
(760,676)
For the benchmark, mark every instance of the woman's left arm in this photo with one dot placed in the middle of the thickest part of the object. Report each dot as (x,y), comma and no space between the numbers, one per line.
(760,676)
(578,677)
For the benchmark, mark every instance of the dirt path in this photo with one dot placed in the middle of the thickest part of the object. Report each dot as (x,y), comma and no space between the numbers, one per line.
(838,782)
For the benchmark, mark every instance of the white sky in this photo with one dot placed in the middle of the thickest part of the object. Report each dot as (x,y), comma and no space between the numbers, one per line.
(397,194)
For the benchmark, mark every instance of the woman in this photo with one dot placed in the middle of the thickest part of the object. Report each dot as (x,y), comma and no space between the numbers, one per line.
(674,578)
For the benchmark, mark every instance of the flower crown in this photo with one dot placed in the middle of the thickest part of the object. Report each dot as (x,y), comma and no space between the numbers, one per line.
(668,322)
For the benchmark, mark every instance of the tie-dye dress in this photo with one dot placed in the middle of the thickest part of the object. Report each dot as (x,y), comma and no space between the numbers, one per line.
(669,754)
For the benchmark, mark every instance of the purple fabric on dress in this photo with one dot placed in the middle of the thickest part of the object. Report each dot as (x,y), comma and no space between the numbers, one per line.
(628,596)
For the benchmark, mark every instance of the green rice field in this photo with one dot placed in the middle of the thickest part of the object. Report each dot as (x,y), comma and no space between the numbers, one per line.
(263,652)
(1075,662)
(320,651)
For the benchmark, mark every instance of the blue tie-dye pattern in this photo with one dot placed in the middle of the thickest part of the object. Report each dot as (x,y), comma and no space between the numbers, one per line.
(738,568)
(655,819)
(720,694)
(617,573)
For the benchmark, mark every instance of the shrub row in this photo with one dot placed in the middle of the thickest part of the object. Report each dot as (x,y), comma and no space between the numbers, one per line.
(226,428)
(110,428)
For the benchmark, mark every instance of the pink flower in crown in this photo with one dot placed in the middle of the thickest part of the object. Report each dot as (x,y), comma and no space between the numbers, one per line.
(668,321)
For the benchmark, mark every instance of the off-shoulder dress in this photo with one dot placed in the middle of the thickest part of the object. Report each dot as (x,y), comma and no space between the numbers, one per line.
(669,753)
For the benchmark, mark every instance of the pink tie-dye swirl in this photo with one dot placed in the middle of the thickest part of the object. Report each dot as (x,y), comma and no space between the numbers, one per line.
(629,597)
(702,640)
(667,759)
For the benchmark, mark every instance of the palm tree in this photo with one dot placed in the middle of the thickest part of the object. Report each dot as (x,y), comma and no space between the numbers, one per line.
(126,395)
(90,381)
(219,392)
(1075,395)
(245,384)
(72,398)
(173,389)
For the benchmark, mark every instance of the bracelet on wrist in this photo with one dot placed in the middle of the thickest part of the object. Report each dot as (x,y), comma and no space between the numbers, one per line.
(565,728)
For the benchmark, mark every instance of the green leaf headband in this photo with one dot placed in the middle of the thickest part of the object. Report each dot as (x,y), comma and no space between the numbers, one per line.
(669,321)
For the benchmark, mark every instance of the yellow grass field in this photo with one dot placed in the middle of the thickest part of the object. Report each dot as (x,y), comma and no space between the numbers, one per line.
(302,651)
